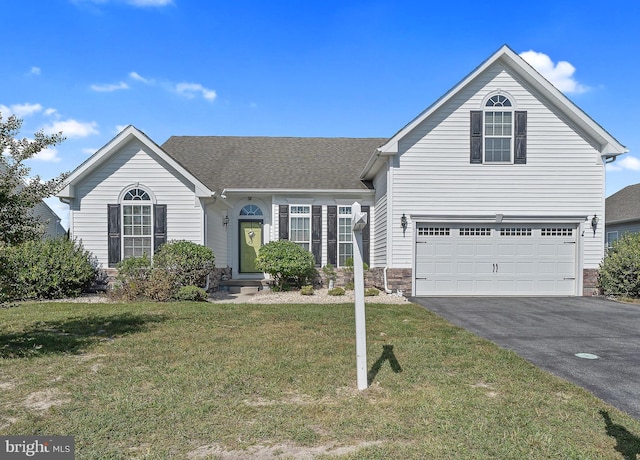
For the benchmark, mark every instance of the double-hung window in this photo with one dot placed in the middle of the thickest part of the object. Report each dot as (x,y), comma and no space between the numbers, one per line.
(345,243)
(137,224)
(498,130)
(300,225)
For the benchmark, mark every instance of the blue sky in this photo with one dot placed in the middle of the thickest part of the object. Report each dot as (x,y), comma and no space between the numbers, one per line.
(309,68)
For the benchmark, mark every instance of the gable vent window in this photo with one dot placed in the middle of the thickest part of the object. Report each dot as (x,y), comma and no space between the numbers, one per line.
(498,133)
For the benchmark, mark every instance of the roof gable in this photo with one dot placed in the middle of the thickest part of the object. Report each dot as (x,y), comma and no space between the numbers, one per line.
(125,136)
(505,56)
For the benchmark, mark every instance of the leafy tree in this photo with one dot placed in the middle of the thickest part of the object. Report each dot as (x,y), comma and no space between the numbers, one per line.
(19,194)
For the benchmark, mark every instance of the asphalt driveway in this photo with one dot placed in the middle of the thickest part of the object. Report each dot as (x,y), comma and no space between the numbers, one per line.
(552,333)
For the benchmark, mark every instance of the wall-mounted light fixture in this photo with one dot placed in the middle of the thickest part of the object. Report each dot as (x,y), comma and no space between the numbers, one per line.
(225,222)
(594,224)
(403,222)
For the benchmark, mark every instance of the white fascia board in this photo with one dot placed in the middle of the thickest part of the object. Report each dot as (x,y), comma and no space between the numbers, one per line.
(125,136)
(498,218)
(609,146)
(282,191)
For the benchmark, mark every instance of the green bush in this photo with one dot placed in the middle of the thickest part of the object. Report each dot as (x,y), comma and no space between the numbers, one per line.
(336,291)
(286,262)
(371,292)
(306,290)
(188,262)
(620,270)
(52,268)
(191,293)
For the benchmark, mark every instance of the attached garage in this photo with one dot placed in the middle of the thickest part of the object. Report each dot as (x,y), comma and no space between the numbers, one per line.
(495,259)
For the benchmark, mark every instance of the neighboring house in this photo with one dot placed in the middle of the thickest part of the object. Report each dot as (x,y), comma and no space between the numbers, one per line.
(49,220)
(623,213)
(489,191)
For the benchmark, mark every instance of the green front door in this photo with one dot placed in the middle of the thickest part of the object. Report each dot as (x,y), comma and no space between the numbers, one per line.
(250,242)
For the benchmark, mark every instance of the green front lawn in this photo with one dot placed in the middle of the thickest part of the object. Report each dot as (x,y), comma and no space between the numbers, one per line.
(201,380)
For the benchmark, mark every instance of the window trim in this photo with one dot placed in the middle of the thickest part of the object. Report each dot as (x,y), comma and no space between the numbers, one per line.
(495,104)
(344,216)
(293,214)
(146,201)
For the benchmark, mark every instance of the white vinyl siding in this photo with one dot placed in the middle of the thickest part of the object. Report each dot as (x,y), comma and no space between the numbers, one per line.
(133,164)
(564,175)
(379,224)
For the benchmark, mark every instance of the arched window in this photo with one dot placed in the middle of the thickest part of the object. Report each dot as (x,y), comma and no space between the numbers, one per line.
(498,130)
(251,210)
(137,224)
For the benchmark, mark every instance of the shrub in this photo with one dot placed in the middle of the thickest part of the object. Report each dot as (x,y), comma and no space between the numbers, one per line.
(45,269)
(160,286)
(286,261)
(620,270)
(191,293)
(336,291)
(371,292)
(188,262)
(306,290)
(133,274)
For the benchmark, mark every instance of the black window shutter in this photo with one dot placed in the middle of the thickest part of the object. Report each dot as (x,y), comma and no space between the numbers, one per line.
(159,225)
(476,136)
(520,144)
(366,235)
(316,233)
(113,234)
(283,222)
(332,232)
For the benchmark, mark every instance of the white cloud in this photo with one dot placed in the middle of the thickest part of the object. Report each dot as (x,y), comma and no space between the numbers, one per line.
(109,87)
(72,128)
(136,3)
(144,3)
(35,70)
(49,155)
(136,76)
(20,110)
(89,151)
(560,74)
(627,163)
(50,112)
(119,128)
(190,90)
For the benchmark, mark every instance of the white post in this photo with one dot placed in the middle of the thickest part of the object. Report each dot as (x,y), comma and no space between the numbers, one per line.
(358,222)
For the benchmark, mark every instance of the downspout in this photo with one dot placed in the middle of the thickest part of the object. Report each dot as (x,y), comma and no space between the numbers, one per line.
(386,287)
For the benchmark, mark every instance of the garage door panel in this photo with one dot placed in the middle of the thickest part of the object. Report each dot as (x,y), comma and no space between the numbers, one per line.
(494,260)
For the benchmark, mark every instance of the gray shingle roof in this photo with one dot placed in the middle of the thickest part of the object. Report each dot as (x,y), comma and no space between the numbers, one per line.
(623,205)
(274,162)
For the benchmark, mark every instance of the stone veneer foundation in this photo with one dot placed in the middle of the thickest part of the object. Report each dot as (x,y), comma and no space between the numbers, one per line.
(590,282)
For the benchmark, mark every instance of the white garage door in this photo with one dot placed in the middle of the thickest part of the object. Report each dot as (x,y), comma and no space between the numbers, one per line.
(494,259)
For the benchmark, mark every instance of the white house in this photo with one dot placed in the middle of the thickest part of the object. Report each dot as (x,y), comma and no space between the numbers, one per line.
(491,190)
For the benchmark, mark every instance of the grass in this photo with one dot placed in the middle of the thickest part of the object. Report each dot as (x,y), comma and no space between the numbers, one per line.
(194,380)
